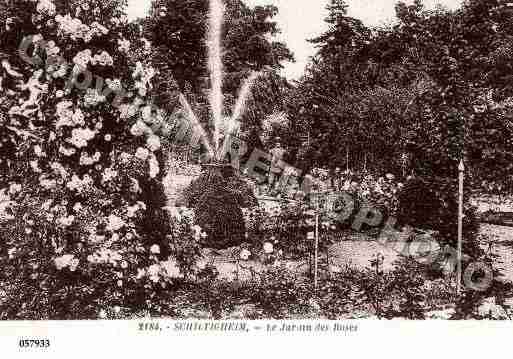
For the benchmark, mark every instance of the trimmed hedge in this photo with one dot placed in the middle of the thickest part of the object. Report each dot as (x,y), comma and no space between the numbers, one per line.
(218,200)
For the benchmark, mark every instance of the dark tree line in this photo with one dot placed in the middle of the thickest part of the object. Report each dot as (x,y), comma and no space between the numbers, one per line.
(433,88)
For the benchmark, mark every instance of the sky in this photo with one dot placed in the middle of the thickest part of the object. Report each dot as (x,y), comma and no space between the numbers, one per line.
(300,20)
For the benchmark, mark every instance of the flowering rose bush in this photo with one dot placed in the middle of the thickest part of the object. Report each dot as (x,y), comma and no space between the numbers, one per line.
(378,191)
(282,228)
(81,200)
(187,240)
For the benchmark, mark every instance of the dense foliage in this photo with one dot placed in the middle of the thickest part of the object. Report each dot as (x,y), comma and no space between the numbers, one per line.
(218,200)
(412,99)
(431,204)
(86,230)
(420,94)
(81,176)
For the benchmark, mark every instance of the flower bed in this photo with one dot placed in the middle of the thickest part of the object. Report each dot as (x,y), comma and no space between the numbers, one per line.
(81,214)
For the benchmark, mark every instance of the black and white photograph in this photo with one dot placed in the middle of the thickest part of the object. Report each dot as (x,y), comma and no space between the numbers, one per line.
(233,161)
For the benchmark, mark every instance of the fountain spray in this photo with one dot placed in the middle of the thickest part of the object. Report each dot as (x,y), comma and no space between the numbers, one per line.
(215,66)
(240,105)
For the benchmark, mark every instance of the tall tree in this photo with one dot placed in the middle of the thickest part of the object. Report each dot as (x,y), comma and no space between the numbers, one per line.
(343,39)
(321,104)
(178,28)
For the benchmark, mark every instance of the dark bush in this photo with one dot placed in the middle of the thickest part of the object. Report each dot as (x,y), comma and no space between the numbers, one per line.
(218,199)
(291,229)
(218,213)
(432,203)
(280,293)
(156,222)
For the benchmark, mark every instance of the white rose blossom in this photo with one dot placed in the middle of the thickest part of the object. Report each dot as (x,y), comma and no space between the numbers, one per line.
(35,166)
(139,128)
(67,117)
(109,174)
(59,169)
(103,59)
(14,188)
(171,268)
(128,111)
(75,29)
(77,207)
(82,58)
(81,136)
(123,45)
(48,184)
(99,28)
(155,249)
(52,49)
(132,210)
(66,260)
(77,184)
(154,273)
(38,151)
(153,143)
(93,98)
(142,153)
(46,7)
(268,248)
(115,223)
(245,254)
(86,160)
(114,85)
(154,166)
(66,221)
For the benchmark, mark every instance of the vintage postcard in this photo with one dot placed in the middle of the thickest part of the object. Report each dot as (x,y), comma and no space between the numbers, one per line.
(177,171)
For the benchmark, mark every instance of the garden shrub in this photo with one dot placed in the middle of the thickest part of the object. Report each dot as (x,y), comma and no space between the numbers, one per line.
(339,295)
(368,191)
(85,228)
(219,214)
(186,241)
(375,290)
(290,229)
(430,203)
(287,226)
(280,293)
(399,293)
(218,200)
(473,304)
(259,223)
(408,280)
(220,297)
